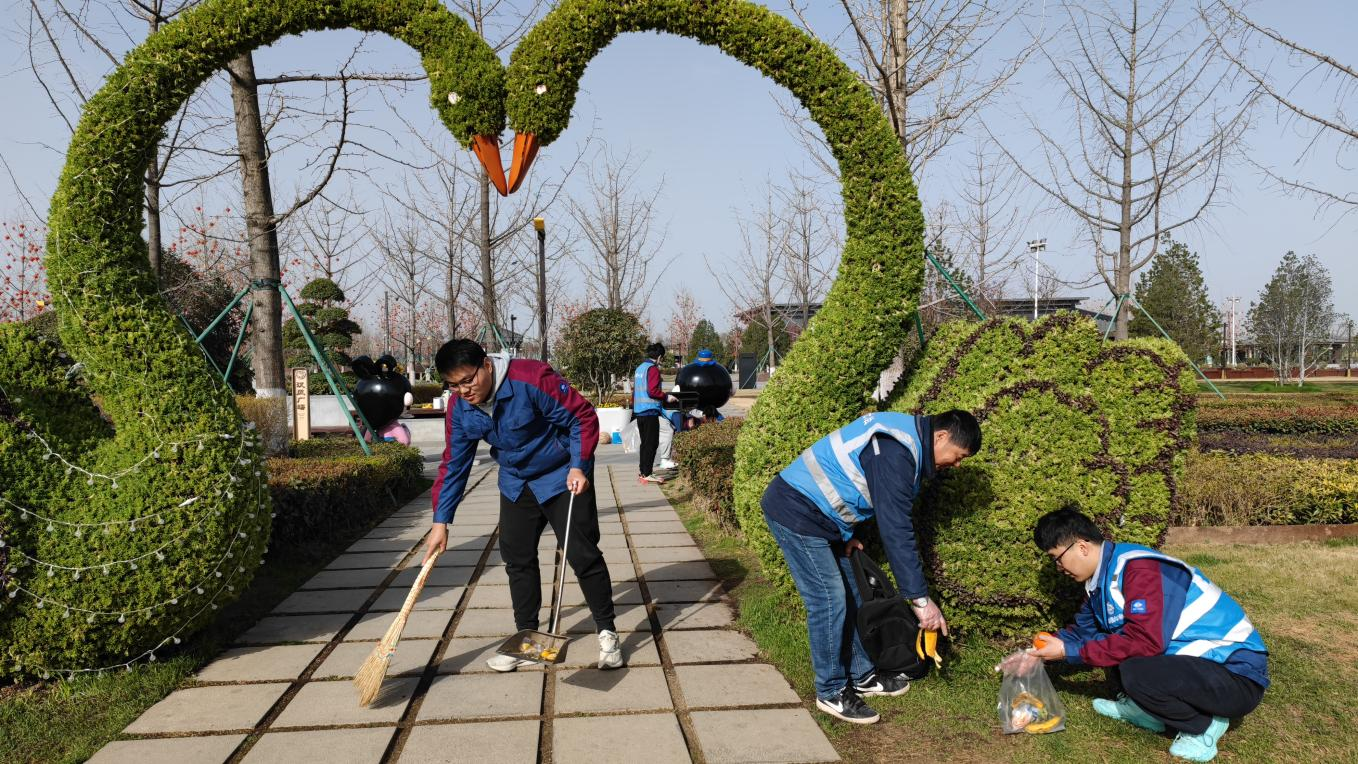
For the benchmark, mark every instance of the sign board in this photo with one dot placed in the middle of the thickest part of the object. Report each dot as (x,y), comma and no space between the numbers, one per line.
(301,404)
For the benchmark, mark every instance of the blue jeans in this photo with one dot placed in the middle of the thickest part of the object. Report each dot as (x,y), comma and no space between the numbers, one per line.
(825,580)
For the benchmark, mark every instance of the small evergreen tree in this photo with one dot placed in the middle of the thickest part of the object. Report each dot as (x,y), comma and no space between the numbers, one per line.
(754,338)
(330,325)
(598,347)
(1173,291)
(705,336)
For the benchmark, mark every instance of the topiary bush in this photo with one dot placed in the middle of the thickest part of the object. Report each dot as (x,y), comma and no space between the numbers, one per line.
(598,348)
(707,458)
(1065,417)
(128,522)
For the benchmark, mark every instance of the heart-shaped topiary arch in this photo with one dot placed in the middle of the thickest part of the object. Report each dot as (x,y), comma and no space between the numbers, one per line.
(127,525)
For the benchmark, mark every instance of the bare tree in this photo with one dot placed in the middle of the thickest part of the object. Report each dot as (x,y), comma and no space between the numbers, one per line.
(990,232)
(921,59)
(404,248)
(810,242)
(617,221)
(683,319)
(754,282)
(1312,93)
(1152,124)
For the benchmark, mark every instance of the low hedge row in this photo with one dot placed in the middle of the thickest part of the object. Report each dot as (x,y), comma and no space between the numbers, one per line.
(1323,413)
(327,486)
(1266,489)
(707,460)
(1298,446)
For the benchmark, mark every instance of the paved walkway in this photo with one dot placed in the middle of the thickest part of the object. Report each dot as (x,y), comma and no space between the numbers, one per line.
(693,690)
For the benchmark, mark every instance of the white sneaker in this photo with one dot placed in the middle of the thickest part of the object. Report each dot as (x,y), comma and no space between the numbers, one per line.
(503,663)
(666,464)
(610,652)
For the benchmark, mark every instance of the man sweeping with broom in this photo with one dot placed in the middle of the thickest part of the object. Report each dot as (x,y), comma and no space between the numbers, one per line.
(542,433)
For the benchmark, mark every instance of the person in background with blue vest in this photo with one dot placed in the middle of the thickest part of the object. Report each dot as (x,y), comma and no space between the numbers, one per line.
(648,400)
(872,467)
(1185,653)
(543,434)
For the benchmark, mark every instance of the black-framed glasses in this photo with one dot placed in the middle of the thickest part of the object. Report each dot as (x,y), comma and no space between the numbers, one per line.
(467,381)
(1057,559)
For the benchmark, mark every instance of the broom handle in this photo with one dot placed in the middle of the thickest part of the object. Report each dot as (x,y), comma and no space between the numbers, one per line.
(417,586)
(561,566)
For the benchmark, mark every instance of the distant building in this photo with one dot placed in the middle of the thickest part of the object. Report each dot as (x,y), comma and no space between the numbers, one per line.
(1022,307)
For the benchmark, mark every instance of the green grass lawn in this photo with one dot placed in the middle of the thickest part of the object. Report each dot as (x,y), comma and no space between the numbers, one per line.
(1302,597)
(1337,386)
(68,721)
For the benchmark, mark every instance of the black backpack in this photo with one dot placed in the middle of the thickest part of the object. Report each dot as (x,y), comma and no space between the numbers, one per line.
(887,625)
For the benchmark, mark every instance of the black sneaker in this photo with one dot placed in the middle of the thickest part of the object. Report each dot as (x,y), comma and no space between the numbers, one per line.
(849,707)
(877,683)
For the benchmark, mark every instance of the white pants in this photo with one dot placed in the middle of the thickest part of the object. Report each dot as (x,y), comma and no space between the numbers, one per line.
(666,442)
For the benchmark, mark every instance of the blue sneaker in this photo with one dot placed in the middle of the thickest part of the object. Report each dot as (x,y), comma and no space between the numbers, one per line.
(1200,747)
(1126,710)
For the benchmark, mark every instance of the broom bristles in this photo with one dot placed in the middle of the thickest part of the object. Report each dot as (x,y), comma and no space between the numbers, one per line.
(373,672)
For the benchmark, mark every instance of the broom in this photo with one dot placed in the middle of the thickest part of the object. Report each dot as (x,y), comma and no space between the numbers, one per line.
(369,678)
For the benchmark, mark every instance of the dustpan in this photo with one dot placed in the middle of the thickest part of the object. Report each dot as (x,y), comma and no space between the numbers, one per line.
(546,647)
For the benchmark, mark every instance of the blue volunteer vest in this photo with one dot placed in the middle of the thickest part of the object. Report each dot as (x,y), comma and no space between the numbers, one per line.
(1211,624)
(830,473)
(642,402)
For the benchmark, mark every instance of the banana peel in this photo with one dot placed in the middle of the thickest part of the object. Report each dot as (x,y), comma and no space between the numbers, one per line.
(926,646)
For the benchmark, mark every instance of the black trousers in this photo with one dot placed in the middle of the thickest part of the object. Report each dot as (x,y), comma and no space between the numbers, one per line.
(1186,691)
(649,429)
(521,526)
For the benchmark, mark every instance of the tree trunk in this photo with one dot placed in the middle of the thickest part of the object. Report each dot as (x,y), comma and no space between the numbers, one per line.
(153,241)
(267,321)
(488,301)
(898,81)
(1123,277)
(453,286)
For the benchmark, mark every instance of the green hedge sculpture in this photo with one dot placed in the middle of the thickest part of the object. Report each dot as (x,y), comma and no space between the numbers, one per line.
(1065,417)
(827,378)
(133,495)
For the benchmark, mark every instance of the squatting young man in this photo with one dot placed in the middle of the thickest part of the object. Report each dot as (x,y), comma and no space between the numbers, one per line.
(543,434)
(871,467)
(1185,653)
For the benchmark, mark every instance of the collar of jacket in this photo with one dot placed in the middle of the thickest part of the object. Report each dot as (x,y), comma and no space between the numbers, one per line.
(926,446)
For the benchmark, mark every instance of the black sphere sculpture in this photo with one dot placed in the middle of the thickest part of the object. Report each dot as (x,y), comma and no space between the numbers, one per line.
(381,390)
(710,381)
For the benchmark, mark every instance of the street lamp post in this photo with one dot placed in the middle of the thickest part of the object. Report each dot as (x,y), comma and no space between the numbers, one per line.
(540,226)
(1036,246)
(513,342)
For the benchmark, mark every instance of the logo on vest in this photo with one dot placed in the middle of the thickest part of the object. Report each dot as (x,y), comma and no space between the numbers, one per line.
(1138,607)
(564,387)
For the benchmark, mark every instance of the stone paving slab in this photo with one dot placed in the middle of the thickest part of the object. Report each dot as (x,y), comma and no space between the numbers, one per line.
(768,735)
(496,596)
(367,560)
(339,746)
(686,591)
(380,545)
(209,709)
(324,601)
(624,593)
(472,696)
(619,740)
(650,554)
(473,743)
(662,539)
(431,598)
(363,578)
(496,575)
(590,690)
(437,577)
(177,750)
(644,527)
(698,615)
(410,658)
(422,624)
(335,703)
(468,655)
(576,620)
(280,629)
(638,649)
(709,646)
(254,664)
(495,622)
(458,558)
(749,684)
(677,571)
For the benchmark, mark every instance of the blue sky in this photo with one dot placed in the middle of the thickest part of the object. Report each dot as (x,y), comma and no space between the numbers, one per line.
(709,128)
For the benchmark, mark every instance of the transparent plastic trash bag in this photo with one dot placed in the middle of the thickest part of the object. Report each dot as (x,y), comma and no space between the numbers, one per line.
(1028,702)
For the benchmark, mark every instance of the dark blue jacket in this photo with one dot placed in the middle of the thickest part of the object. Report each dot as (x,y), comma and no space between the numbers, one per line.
(541,429)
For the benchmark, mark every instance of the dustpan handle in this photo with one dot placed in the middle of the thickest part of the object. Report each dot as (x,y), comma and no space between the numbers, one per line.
(561,566)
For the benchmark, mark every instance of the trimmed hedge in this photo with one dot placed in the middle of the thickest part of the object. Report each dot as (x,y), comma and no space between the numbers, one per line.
(1265,489)
(1065,417)
(706,458)
(1305,446)
(201,504)
(327,486)
(1320,413)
